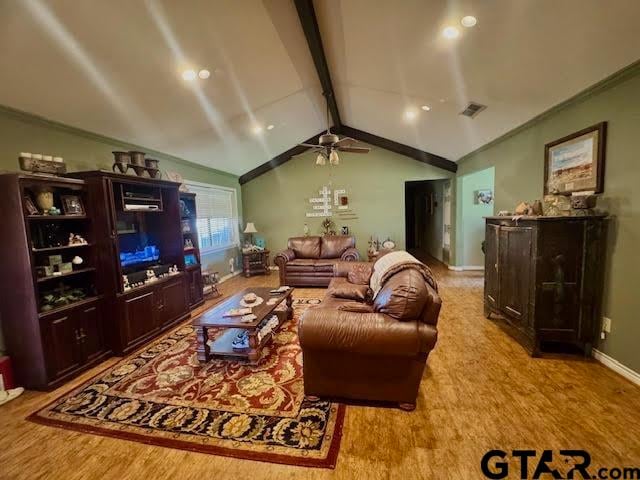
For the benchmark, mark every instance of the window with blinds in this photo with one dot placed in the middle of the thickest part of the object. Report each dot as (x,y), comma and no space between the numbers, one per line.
(217,217)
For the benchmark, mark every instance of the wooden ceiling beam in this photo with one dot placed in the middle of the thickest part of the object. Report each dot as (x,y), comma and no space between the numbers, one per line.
(277,160)
(309,22)
(402,149)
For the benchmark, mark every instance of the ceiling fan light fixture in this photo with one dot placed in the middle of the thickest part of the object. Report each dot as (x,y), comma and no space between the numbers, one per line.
(334,159)
(321,159)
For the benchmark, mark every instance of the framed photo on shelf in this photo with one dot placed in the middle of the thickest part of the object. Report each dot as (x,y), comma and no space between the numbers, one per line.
(29,206)
(72,205)
(575,163)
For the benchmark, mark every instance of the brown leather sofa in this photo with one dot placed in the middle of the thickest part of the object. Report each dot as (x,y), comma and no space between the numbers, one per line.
(370,351)
(309,261)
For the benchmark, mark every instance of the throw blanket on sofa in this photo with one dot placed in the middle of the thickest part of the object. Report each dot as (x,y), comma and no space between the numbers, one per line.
(394,262)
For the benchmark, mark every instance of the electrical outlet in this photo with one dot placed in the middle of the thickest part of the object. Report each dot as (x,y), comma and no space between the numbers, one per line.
(606,324)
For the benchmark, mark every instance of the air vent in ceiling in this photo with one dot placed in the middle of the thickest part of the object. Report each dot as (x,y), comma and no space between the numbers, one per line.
(473,109)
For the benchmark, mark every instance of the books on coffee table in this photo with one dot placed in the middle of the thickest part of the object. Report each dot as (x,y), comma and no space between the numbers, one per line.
(237,312)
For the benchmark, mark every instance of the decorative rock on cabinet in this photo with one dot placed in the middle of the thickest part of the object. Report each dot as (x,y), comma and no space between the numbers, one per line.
(544,276)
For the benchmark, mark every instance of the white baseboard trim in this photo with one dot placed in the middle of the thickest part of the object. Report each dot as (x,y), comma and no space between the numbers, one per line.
(616,366)
(465,267)
(229,276)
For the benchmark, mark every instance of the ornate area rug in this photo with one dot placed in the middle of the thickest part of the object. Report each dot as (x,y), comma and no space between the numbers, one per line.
(163,396)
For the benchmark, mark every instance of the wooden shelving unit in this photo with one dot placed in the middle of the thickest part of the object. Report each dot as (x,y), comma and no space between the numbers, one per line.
(62,248)
(57,218)
(189,222)
(50,343)
(67,274)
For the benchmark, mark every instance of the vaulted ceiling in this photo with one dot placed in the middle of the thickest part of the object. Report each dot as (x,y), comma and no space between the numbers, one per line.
(114,67)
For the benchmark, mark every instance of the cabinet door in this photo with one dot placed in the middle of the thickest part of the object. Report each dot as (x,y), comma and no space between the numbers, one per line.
(195,285)
(491,284)
(514,268)
(60,336)
(139,317)
(90,320)
(172,301)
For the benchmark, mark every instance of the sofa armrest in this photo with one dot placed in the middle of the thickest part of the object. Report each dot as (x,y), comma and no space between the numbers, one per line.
(329,329)
(283,257)
(350,255)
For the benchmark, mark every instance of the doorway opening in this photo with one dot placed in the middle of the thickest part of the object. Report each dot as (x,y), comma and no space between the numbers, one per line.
(474,202)
(427,206)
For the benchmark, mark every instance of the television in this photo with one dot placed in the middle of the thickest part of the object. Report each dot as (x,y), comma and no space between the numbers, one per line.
(147,255)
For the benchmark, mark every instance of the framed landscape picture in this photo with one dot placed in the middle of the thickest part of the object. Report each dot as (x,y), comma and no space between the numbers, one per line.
(575,163)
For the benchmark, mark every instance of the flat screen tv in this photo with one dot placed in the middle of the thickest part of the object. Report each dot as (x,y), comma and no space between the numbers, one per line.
(147,255)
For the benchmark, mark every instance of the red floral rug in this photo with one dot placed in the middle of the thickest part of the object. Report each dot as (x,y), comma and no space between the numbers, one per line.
(164,396)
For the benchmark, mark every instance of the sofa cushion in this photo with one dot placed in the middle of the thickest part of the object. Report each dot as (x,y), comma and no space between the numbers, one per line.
(334,245)
(305,247)
(300,265)
(341,288)
(324,266)
(403,296)
(360,273)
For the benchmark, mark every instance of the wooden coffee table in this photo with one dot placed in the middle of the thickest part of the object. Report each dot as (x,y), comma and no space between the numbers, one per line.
(214,319)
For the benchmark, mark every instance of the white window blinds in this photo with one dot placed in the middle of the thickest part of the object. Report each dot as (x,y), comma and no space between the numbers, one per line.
(217,217)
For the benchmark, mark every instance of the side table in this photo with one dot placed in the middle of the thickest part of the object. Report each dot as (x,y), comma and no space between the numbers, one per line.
(255,263)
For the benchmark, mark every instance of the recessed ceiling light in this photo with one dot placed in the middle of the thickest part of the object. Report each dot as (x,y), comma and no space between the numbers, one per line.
(257,129)
(410,114)
(270,127)
(450,32)
(189,75)
(204,74)
(468,21)
(426,108)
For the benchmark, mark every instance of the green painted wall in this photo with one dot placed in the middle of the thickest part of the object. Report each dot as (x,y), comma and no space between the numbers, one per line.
(470,221)
(21,132)
(278,200)
(519,171)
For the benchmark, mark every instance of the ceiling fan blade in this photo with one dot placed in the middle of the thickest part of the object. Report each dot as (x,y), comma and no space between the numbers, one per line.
(345,141)
(309,145)
(354,149)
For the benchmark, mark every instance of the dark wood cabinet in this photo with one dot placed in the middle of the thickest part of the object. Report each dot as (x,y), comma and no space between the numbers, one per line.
(195,286)
(62,344)
(148,310)
(139,318)
(172,302)
(544,275)
(73,340)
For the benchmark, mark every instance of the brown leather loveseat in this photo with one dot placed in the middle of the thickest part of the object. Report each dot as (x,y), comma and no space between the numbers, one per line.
(358,348)
(309,261)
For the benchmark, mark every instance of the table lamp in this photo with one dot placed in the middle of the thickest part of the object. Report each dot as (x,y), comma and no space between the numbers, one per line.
(250,229)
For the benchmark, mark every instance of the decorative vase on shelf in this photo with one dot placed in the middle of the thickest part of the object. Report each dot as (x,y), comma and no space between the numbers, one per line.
(44,200)
(121,161)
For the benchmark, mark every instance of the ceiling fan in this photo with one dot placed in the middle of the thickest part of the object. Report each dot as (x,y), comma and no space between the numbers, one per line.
(329,144)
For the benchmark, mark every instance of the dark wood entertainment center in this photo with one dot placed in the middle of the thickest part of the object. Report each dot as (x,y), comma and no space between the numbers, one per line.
(58,324)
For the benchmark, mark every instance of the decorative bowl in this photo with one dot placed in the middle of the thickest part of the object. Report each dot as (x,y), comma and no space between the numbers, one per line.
(250,297)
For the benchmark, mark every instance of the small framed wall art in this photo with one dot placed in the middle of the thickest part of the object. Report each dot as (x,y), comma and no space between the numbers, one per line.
(575,163)
(72,205)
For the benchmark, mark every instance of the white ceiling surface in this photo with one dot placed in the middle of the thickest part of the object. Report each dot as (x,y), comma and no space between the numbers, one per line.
(522,58)
(113,67)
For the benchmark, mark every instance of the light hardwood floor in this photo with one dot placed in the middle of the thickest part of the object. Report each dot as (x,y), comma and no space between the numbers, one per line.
(480,391)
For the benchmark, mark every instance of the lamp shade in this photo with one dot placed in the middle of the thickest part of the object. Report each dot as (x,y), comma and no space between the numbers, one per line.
(250,228)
